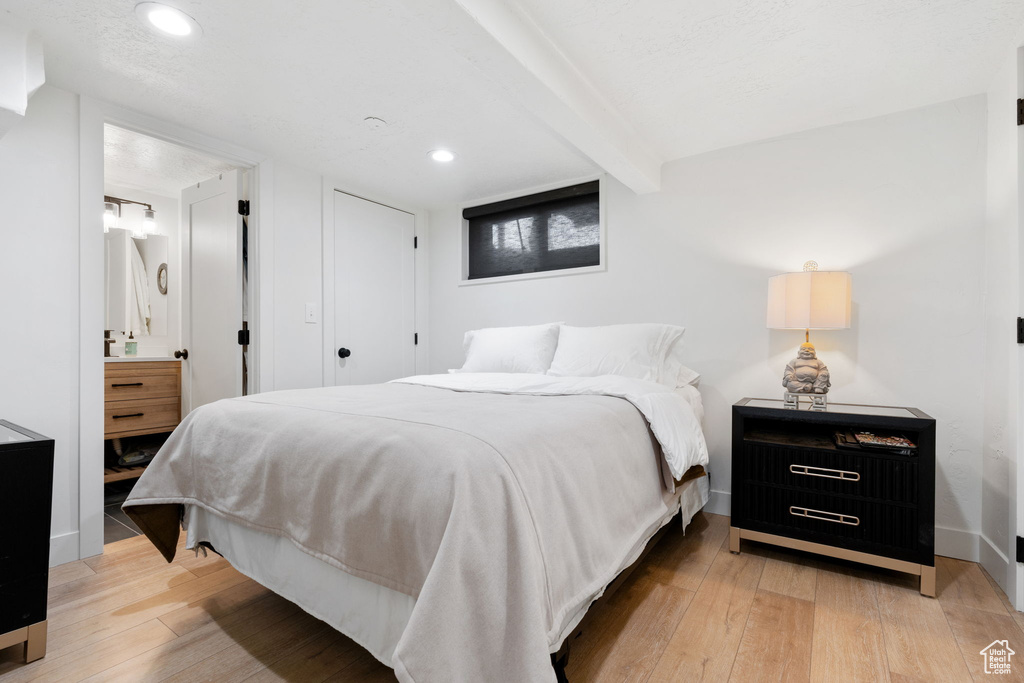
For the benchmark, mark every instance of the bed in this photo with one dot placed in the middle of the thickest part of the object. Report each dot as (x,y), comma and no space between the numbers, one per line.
(456,526)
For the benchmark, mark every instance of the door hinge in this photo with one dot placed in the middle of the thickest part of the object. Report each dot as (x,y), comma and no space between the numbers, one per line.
(1020,112)
(415,338)
(243,207)
(1020,330)
(1020,549)
(243,337)
(416,242)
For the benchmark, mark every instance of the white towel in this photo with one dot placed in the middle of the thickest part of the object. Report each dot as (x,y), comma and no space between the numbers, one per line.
(140,298)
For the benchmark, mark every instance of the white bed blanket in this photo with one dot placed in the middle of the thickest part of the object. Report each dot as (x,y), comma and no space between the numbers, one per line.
(503,510)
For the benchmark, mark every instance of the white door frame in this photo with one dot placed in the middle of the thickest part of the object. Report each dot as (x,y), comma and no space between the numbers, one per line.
(92,115)
(420,274)
(1016,521)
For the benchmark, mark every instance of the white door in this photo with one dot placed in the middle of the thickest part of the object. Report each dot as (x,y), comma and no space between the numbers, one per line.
(374,296)
(211,290)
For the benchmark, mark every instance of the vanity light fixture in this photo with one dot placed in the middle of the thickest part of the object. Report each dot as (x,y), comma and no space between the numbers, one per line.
(167,20)
(442,155)
(111,212)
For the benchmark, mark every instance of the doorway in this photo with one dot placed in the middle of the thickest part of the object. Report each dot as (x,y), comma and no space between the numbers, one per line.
(176,298)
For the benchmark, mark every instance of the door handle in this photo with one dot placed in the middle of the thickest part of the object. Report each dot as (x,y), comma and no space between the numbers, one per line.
(183,354)
(344,353)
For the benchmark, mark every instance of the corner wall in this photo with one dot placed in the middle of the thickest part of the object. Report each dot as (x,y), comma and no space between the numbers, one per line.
(39,307)
(899,201)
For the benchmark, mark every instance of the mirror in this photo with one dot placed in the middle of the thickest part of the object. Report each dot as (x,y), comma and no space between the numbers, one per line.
(134,299)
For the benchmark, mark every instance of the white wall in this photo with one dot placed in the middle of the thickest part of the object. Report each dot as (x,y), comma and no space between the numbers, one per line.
(1002,366)
(899,201)
(298,278)
(39,284)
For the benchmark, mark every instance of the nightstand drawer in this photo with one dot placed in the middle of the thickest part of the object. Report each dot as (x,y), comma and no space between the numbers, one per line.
(824,518)
(878,477)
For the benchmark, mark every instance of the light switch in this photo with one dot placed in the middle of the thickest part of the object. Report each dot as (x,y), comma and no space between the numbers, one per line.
(311,316)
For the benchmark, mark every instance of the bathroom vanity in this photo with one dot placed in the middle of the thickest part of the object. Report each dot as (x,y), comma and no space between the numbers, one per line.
(141,396)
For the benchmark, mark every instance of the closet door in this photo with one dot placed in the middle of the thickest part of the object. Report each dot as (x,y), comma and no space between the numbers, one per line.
(374,292)
(211,290)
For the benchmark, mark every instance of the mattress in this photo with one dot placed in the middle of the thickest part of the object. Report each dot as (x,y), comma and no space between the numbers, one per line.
(372,615)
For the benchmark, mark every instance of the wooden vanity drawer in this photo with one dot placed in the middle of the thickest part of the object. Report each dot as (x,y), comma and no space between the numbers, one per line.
(141,397)
(142,416)
(124,381)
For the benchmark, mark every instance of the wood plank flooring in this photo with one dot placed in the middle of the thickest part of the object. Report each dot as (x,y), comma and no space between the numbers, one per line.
(692,611)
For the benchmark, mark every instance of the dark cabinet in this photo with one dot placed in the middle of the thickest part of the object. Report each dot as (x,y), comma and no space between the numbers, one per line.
(26,492)
(801,479)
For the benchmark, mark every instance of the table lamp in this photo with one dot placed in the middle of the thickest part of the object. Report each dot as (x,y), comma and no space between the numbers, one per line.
(811,300)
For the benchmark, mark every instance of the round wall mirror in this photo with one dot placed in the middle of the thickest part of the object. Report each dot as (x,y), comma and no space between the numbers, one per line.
(161,278)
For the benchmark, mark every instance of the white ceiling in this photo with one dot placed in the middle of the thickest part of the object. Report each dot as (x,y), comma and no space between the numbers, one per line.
(693,75)
(295,80)
(140,162)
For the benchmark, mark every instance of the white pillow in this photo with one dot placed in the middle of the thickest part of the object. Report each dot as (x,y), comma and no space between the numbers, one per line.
(510,349)
(637,350)
(675,373)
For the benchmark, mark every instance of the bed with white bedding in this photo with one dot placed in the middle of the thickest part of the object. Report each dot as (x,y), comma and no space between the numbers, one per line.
(457,526)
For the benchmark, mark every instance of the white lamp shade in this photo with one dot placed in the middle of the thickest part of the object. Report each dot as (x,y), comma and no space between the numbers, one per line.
(149,222)
(817,300)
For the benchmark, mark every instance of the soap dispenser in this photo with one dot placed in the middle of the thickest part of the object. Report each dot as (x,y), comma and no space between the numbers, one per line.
(131,347)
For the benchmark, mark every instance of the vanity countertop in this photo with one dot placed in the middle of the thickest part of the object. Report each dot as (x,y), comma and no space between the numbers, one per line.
(136,359)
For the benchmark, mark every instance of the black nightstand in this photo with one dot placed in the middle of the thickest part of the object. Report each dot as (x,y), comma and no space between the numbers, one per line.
(793,486)
(26,489)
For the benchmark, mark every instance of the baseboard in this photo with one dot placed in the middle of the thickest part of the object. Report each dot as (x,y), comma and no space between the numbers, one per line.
(963,545)
(957,543)
(720,503)
(996,564)
(63,548)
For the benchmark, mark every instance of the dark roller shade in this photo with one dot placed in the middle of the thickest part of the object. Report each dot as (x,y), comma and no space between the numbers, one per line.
(547,231)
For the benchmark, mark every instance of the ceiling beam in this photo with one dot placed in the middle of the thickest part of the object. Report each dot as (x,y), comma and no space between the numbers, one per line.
(509,48)
(21,72)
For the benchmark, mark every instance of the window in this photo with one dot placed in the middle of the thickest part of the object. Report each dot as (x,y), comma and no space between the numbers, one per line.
(555,230)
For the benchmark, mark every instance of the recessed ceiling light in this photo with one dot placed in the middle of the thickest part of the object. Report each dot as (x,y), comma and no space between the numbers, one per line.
(442,155)
(168,20)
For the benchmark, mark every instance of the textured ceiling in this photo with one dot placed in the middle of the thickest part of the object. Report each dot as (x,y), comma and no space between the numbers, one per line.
(694,76)
(140,162)
(295,80)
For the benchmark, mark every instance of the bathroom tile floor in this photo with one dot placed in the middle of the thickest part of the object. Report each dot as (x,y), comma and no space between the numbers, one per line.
(116,525)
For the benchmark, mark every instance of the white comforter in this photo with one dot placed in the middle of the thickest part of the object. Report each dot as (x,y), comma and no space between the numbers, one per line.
(672,417)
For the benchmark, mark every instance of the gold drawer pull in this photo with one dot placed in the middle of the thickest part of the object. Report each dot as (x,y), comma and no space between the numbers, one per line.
(845,475)
(824,516)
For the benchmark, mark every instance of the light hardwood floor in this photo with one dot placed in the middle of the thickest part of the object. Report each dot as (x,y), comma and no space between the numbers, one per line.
(692,611)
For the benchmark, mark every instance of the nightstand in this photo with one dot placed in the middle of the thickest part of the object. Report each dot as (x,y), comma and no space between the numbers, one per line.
(26,490)
(793,486)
